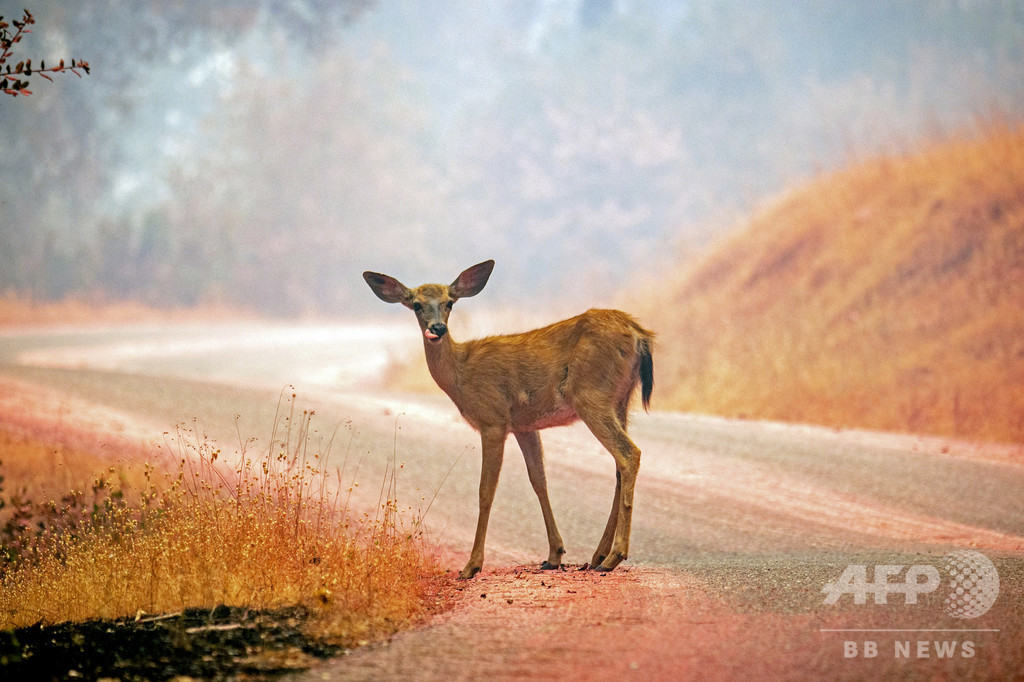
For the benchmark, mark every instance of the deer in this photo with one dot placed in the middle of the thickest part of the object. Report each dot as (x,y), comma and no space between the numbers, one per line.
(583,368)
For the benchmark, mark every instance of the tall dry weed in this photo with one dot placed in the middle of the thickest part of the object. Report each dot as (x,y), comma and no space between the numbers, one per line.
(256,531)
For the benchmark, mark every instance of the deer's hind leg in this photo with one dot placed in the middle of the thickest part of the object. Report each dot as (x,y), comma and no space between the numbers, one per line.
(533,453)
(605,545)
(611,432)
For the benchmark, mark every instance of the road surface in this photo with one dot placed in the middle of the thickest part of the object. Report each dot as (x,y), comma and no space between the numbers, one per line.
(742,530)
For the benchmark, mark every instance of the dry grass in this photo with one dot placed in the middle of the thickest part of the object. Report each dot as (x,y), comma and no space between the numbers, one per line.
(18,311)
(35,469)
(260,532)
(885,296)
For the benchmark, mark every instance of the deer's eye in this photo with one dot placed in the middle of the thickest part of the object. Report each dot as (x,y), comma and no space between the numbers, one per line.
(450,304)
(417,307)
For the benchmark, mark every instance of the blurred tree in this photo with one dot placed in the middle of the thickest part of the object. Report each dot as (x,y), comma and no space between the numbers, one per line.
(88,162)
(267,151)
(300,194)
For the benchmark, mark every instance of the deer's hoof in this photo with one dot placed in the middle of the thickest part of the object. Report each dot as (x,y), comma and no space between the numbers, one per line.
(548,566)
(468,572)
(609,563)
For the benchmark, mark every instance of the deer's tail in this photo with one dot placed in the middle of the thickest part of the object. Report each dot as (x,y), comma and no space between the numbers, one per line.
(643,347)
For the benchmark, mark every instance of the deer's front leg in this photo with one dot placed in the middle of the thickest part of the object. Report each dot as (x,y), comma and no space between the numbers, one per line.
(493,445)
(533,453)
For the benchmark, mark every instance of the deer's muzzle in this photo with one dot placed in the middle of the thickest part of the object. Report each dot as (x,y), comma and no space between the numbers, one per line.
(434,332)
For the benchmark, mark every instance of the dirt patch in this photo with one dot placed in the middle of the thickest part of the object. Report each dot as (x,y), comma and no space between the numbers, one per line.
(51,416)
(645,623)
(523,623)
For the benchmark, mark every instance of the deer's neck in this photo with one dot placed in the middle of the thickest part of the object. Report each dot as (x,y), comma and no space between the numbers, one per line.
(443,361)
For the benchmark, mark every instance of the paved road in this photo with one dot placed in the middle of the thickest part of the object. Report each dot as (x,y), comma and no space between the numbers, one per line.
(738,525)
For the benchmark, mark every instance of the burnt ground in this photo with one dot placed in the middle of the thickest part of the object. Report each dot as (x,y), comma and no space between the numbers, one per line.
(223,643)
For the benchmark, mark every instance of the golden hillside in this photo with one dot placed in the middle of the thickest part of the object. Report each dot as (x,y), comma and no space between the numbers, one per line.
(887,296)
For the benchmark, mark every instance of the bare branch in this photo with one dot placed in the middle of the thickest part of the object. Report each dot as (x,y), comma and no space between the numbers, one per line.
(11,82)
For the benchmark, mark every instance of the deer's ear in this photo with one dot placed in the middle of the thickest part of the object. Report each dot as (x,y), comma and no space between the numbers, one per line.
(387,288)
(472,280)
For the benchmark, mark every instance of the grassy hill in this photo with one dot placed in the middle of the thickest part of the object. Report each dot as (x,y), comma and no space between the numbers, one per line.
(886,296)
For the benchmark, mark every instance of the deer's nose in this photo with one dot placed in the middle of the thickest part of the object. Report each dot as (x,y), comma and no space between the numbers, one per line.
(436,331)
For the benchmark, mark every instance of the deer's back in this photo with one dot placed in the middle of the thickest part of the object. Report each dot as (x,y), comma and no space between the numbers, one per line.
(532,380)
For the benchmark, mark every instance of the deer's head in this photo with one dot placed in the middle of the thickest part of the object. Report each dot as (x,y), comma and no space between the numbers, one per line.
(432,303)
